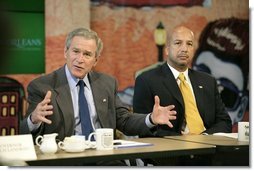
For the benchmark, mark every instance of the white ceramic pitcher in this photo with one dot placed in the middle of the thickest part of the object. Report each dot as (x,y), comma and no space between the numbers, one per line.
(47,143)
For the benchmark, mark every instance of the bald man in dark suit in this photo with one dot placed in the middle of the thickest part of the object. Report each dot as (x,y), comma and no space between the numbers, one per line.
(163,81)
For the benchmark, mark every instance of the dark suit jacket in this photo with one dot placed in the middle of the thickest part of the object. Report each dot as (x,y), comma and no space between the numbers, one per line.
(111,113)
(160,81)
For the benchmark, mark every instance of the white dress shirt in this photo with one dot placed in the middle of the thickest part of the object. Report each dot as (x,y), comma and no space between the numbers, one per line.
(72,81)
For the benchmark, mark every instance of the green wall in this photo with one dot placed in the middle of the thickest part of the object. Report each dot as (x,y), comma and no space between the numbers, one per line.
(22,37)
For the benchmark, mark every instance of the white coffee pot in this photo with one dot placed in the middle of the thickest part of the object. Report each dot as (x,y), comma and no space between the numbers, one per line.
(47,143)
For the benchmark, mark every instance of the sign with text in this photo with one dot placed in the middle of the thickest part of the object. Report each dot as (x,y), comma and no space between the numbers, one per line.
(17,147)
(22,37)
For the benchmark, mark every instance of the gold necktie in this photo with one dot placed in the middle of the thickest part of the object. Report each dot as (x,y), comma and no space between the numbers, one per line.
(193,119)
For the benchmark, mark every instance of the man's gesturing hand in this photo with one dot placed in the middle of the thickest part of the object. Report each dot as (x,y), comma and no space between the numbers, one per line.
(162,115)
(42,110)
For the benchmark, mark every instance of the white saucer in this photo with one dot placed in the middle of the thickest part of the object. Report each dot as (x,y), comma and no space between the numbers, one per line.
(74,150)
(91,145)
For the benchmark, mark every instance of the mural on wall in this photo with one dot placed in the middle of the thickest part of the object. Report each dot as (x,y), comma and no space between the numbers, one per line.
(128,37)
(224,53)
(130,45)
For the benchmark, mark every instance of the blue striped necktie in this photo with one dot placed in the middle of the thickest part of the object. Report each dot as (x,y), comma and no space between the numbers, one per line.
(86,124)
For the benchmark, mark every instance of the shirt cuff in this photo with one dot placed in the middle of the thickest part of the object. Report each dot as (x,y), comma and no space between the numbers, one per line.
(148,122)
(31,126)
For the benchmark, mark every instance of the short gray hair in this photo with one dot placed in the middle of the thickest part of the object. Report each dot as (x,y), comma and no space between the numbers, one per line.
(87,34)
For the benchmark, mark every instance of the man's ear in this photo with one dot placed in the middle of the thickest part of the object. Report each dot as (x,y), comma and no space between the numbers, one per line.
(96,61)
(166,50)
(65,52)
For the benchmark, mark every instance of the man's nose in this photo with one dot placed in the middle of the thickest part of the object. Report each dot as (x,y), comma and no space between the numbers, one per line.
(184,48)
(80,57)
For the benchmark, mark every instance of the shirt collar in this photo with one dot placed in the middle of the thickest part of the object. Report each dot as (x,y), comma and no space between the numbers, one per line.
(73,81)
(176,73)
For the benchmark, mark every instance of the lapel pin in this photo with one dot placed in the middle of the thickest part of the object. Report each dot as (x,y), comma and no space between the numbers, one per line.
(104,100)
(200,86)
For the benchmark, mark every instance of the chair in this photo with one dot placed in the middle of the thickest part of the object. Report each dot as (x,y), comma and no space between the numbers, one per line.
(12,96)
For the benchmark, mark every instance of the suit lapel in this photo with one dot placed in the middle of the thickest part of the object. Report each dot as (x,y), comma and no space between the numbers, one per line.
(100,98)
(63,92)
(171,84)
(198,89)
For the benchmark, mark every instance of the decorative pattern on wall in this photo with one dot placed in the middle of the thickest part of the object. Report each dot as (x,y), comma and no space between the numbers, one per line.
(11,105)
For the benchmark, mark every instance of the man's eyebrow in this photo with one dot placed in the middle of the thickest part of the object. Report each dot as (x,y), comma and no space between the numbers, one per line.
(74,48)
(88,52)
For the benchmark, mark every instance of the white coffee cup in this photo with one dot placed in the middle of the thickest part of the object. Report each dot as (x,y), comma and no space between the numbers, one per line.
(104,138)
(73,144)
(243,131)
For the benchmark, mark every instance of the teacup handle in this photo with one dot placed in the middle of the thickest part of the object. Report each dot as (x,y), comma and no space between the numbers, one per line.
(90,136)
(38,140)
(61,145)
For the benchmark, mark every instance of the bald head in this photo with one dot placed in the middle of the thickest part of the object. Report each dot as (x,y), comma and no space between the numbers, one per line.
(180,30)
(180,48)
